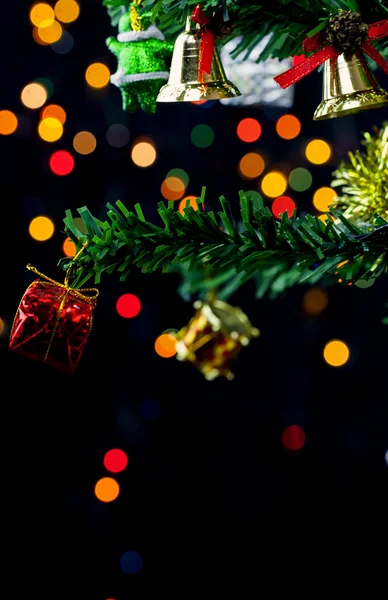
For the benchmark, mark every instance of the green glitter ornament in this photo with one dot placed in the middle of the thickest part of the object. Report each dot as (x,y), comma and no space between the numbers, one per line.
(143,60)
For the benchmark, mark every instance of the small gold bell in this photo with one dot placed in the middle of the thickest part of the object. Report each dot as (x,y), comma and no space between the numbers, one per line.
(184,83)
(348,87)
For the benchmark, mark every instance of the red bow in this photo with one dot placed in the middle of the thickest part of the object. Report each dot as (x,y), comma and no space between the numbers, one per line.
(325,52)
(206,51)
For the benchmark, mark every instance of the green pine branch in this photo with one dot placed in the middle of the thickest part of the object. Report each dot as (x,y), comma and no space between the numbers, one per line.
(276,254)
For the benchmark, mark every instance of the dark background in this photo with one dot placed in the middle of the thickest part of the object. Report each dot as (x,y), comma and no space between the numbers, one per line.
(210,493)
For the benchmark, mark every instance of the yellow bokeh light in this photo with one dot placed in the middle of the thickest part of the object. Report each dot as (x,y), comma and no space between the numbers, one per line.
(84,142)
(318,152)
(41,13)
(41,229)
(336,353)
(69,247)
(165,345)
(50,34)
(172,188)
(8,122)
(33,95)
(288,127)
(97,75)
(66,11)
(2,327)
(50,129)
(323,197)
(274,184)
(251,165)
(315,301)
(193,204)
(143,154)
(107,489)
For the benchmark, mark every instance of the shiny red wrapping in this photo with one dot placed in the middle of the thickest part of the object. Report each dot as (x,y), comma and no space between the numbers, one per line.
(52,325)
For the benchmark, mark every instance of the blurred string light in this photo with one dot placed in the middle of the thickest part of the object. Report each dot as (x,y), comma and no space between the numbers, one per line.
(165,345)
(318,152)
(33,95)
(249,130)
(143,154)
(315,301)
(115,460)
(64,44)
(293,437)
(128,306)
(107,489)
(55,111)
(131,562)
(336,353)
(61,162)
(172,188)
(323,197)
(281,205)
(117,135)
(202,136)
(288,127)
(50,129)
(97,75)
(181,174)
(251,165)
(274,184)
(193,203)
(41,229)
(8,122)
(66,11)
(300,179)
(84,142)
(69,248)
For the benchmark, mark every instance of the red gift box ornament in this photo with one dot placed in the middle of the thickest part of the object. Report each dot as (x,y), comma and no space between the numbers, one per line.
(53,322)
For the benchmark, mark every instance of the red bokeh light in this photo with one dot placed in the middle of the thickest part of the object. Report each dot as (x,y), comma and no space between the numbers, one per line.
(115,460)
(128,306)
(283,204)
(293,437)
(249,130)
(61,162)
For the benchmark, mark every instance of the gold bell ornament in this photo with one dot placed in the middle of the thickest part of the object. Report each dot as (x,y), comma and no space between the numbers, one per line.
(349,86)
(213,338)
(196,70)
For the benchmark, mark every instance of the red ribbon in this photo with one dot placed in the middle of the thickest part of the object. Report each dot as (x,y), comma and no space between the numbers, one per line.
(206,51)
(324,52)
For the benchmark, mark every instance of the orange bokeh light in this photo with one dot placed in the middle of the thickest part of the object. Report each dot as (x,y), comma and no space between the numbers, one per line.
(165,345)
(55,111)
(172,188)
(193,204)
(69,247)
(288,127)
(107,489)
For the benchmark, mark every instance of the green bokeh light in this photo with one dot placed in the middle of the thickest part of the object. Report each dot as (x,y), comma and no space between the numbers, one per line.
(180,174)
(202,136)
(300,179)
(47,84)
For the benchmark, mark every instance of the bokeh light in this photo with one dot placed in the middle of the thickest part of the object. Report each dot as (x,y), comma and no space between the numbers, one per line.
(66,11)
(251,165)
(36,37)
(193,203)
(107,489)
(115,460)
(64,44)
(41,229)
(117,135)
(61,162)
(274,184)
(50,34)
(165,345)
(300,179)
(55,111)
(97,75)
(293,437)
(50,129)
(69,248)
(2,327)
(315,300)
(33,95)
(131,562)
(42,13)
(143,154)
(47,84)
(8,122)
(318,152)
(172,188)
(79,223)
(281,205)
(248,130)
(84,142)
(288,127)
(323,197)
(128,306)
(181,174)
(336,353)
(202,136)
